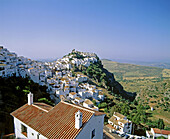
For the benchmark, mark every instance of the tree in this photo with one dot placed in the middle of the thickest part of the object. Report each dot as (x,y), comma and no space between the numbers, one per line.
(115,108)
(125,109)
(135,102)
(94,102)
(161,124)
(136,118)
(105,110)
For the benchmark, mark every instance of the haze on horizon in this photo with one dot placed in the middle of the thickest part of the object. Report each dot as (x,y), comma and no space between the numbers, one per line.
(114,29)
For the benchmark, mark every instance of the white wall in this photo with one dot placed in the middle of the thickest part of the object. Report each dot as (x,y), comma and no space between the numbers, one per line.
(31,133)
(96,122)
(126,129)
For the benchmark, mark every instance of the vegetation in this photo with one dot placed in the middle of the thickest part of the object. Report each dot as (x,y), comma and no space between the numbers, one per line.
(13,94)
(75,55)
(152,86)
(123,71)
(103,79)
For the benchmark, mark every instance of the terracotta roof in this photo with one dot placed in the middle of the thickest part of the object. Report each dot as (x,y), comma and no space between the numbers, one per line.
(119,115)
(73,93)
(123,121)
(113,120)
(87,101)
(158,131)
(100,93)
(43,106)
(31,68)
(77,98)
(58,122)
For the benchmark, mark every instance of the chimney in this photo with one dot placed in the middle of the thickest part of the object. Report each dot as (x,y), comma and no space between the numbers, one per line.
(30,98)
(78,120)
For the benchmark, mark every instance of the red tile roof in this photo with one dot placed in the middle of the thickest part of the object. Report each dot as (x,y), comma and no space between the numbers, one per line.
(43,106)
(158,131)
(56,122)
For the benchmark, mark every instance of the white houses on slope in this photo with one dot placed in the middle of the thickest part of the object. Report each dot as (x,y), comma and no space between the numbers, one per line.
(120,123)
(65,120)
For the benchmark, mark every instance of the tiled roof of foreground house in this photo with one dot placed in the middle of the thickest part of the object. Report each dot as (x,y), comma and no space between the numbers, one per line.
(53,122)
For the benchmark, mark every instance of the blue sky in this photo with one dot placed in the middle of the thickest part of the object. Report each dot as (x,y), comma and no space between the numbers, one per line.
(136,30)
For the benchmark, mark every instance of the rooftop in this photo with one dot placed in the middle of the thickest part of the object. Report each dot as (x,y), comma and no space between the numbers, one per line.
(87,101)
(113,120)
(73,93)
(53,122)
(158,131)
(119,115)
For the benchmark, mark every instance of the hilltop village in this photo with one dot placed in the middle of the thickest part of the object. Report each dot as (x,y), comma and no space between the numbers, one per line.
(74,98)
(57,76)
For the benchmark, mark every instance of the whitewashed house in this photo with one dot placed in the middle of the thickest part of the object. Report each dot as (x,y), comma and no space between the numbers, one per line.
(41,121)
(82,95)
(89,104)
(101,96)
(78,100)
(155,132)
(59,92)
(120,123)
(73,95)
(81,78)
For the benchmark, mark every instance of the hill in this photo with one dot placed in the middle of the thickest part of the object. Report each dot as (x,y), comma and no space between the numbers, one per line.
(151,84)
(163,64)
(154,64)
(123,71)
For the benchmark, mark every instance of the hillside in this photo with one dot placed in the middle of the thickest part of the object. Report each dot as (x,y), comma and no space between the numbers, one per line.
(77,72)
(102,76)
(163,64)
(50,80)
(151,84)
(154,64)
(123,71)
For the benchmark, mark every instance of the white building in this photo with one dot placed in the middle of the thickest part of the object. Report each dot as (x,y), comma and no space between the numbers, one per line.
(101,96)
(89,104)
(155,132)
(65,120)
(120,123)
(73,95)
(78,100)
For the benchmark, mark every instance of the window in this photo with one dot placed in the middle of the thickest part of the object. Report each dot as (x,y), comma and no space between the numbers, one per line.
(24,130)
(38,136)
(93,134)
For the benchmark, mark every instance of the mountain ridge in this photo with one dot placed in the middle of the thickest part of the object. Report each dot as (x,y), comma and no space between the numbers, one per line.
(165,65)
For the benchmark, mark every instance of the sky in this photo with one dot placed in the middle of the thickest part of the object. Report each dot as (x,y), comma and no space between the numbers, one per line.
(136,30)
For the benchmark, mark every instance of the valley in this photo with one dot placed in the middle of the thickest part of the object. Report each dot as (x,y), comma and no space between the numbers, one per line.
(151,84)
